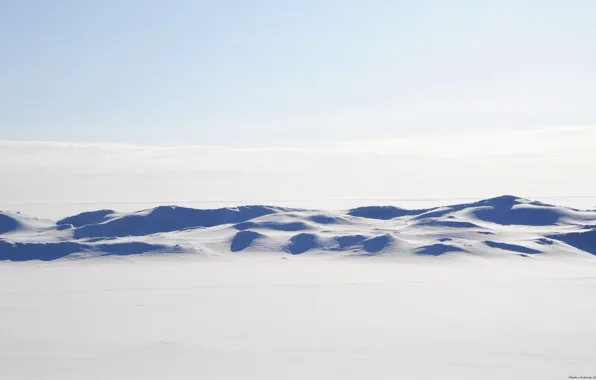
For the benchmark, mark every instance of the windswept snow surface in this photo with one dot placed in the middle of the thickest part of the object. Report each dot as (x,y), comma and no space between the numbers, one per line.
(497,289)
(505,225)
(298,317)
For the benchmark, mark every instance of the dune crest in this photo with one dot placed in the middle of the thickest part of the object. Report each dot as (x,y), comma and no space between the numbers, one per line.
(513,226)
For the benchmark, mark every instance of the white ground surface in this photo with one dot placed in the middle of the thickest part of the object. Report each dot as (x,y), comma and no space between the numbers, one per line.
(265,316)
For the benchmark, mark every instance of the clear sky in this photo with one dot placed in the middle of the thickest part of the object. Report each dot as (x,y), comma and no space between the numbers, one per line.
(265,72)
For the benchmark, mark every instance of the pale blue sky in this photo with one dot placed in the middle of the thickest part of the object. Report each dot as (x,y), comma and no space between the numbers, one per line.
(264,72)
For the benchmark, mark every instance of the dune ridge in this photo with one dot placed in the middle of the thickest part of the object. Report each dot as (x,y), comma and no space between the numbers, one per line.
(505,225)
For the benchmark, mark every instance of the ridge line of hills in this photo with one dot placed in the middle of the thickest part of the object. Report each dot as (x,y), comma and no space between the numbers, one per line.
(490,227)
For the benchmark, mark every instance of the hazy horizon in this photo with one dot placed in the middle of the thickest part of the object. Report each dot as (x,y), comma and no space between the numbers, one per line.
(264,73)
(53,179)
(152,102)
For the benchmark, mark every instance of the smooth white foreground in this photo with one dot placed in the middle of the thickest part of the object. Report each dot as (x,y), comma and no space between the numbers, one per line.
(501,288)
(265,316)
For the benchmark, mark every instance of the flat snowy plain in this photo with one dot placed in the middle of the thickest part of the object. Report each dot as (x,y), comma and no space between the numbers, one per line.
(498,289)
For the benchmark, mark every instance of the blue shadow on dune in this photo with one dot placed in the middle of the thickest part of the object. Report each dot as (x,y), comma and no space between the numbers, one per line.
(8,224)
(349,241)
(511,247)
(85,218)
(382,212)
(277,226)
(438,249)
(500,210)
(447,223)
(132,248)
(38,251)
(369,244)
(170,218)
(54,251)
(522,216)
(584,240)
(323,219)
(301,243)
(243,240)
(377,243)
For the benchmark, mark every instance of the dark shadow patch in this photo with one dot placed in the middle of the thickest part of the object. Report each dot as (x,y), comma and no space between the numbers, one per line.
(495,210)
(95,240)
(132,248)
(501,210)
(243,240)
(39,251)
(349,241)
(520,216)
(54,251)
(382,212)
(437,249)
(511,247)
(85,218)
(377,243)
(8,224)
(301,243)
(584,240)
(170,218)
(323,219)
(545,241)
(277,226)
(447,223)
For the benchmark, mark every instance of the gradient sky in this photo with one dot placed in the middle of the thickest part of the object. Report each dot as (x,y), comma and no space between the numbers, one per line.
(277,73)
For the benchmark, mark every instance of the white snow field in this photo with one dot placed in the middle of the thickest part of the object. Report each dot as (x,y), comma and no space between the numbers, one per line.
(496,289)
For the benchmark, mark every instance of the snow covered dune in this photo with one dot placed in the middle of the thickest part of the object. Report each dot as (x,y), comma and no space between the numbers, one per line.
(505,225)
(497,289)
